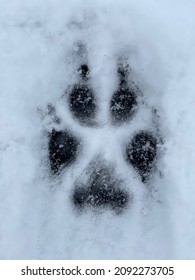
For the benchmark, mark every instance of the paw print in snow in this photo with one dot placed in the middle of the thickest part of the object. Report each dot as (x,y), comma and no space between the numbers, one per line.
(103,186)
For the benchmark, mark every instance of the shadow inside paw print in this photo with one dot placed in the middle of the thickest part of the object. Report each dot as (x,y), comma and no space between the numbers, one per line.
(141,153)
(82,102)
(63,148)
(103,188)
(124,101)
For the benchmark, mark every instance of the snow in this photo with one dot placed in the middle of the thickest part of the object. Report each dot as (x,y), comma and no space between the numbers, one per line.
(36,66)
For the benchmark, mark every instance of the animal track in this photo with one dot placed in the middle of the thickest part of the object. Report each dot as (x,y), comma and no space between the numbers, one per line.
(124,101)
(103,187)
(141,153)
(63,149)
(82,104)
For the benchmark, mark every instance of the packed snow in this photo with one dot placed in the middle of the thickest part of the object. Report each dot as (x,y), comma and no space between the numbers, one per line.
(37,66)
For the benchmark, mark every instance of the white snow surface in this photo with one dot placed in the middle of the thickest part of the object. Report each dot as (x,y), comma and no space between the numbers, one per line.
(36,41)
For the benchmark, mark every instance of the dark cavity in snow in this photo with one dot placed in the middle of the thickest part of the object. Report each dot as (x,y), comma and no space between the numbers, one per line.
(102,190)
(82,104)
(141,153)
(124,100)
(63,148)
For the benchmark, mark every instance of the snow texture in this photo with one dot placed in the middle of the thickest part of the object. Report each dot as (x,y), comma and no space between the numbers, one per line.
(37,66)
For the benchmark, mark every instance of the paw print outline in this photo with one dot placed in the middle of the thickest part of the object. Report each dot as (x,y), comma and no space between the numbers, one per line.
(100,186)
